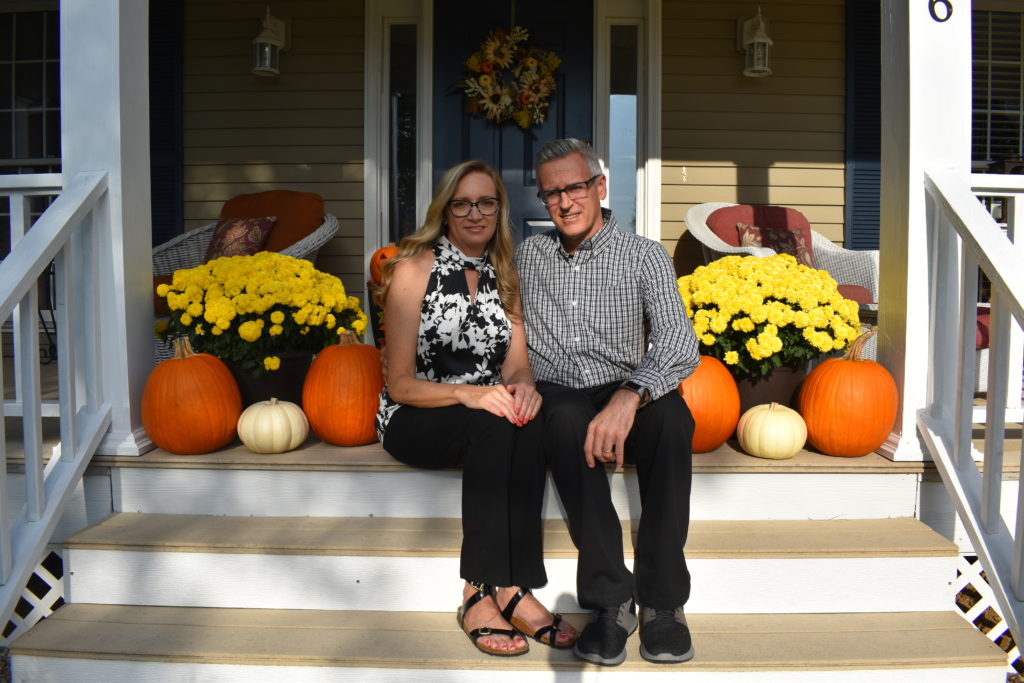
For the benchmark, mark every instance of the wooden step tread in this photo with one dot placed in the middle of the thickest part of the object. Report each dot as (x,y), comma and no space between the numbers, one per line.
(379,536)
(427,640)
(317,455)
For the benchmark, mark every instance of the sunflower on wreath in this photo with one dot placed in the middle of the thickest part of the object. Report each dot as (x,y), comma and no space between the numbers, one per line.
(506,80)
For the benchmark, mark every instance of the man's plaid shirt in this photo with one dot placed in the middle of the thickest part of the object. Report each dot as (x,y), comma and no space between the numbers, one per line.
(585,312)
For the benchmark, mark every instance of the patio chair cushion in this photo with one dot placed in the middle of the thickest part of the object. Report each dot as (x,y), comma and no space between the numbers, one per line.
(160,307)
(298,214)
(239,237)
(723,222)
(781,240)
(861,295)
(984,320)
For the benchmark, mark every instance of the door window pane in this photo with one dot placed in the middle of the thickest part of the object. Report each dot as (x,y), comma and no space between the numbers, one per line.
(622,156)
(402,148)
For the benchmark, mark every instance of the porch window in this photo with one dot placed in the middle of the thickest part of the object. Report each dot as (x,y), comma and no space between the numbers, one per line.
(998,84)
(29,103)
(622,149)
(29,92)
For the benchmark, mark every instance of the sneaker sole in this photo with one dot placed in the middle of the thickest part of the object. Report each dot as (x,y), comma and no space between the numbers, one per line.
(595,658)
(666,657)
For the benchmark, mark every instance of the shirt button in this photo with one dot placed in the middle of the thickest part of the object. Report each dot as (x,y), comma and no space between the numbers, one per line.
(573,303)
(576,339)
(575,267)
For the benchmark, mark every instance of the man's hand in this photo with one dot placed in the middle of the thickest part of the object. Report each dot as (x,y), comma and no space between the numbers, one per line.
(607,432)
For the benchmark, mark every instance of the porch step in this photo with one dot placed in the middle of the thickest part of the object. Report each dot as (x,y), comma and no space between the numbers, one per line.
(323,480)
(371,563)
(119,643)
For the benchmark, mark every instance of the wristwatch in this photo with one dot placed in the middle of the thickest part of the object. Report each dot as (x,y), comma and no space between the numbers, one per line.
(643,392)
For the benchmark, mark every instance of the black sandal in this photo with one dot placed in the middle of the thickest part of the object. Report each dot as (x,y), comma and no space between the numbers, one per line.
(484,590)
(551,630)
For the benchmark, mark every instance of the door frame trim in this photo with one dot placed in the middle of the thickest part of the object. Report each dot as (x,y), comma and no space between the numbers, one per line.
(381,14)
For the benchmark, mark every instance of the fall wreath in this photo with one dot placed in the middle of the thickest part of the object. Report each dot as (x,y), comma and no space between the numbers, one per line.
(508,80)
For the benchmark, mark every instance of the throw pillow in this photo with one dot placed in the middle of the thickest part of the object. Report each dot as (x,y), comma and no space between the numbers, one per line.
(239,237)
(780,240)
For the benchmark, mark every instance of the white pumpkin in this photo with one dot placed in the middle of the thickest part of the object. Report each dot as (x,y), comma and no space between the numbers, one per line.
(771,430)
(272,426)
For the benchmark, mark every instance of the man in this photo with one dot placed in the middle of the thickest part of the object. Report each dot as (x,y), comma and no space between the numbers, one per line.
(609,389)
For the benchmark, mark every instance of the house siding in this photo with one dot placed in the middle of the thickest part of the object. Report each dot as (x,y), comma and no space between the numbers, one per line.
(302,130)
(729,138)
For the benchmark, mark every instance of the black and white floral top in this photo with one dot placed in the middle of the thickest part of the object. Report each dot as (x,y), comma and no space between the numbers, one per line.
(459,342)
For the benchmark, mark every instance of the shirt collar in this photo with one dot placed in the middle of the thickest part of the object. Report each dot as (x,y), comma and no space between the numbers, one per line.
(593,244)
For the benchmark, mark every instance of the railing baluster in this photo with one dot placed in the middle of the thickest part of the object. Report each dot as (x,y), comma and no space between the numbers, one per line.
(20,217)
(90,311)
(65,318)
(963,444)
(995,421)
(27,358)
(6,558)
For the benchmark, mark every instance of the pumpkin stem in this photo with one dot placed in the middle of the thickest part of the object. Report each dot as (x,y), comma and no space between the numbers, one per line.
(347,338)
(183,348)
(273,400)
(857,346)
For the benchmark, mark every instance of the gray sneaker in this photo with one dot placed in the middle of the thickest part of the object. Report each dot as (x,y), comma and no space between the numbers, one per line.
(603,640)
(664,636)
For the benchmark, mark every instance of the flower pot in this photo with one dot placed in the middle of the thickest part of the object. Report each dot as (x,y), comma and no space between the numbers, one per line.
(778,386)
(284,384)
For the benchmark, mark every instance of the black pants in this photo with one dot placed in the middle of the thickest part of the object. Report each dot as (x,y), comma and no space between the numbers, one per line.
(502,485)
(660,445)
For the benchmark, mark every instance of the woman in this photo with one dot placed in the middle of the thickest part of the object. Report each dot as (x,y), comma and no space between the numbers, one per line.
(459,390)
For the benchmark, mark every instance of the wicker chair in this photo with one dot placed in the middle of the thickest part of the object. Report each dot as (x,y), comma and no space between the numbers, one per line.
(847,266)
(188,250)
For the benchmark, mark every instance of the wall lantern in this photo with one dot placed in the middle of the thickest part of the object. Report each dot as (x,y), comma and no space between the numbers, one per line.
(267,46)
(752,39)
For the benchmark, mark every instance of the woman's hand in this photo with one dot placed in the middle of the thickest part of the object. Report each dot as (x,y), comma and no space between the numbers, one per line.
(526,401)
(494,399)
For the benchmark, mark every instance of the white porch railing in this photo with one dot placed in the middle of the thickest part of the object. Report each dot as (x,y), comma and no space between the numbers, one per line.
(64,234)
(963,237)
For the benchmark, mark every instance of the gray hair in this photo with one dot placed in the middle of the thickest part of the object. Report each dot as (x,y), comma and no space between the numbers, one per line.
(559,149)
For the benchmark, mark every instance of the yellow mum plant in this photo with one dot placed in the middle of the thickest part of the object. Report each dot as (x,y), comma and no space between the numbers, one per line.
(757,314)
(250,309)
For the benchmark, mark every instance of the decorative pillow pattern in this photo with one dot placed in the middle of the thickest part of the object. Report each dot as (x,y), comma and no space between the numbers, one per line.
(780,240)
(239,237)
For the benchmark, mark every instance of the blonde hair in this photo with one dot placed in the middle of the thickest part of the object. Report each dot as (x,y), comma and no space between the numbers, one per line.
(499,250)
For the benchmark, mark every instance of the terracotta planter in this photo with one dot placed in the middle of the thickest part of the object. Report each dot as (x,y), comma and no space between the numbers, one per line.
(779,386)
(284,384)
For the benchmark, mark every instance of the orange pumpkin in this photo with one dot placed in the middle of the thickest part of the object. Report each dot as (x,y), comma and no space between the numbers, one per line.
(191,402)
(714,401)
(378,259)
(849,403)
(341,392)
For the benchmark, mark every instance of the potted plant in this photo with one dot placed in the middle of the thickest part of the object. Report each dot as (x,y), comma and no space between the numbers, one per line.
(766,318)
(255,311)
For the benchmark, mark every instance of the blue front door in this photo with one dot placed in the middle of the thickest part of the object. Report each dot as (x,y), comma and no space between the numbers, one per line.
(562,27)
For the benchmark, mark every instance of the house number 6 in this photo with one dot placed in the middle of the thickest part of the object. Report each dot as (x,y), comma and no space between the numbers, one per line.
(947,10)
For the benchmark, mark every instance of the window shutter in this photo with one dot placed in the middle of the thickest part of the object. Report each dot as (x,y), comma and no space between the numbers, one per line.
(165,117)
(863,123)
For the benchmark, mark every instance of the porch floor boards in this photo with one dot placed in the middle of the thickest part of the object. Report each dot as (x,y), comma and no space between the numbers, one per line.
(432,537)
(318,455)
(429,640)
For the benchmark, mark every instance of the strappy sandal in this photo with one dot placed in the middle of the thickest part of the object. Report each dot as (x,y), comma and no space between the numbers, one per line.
(484,590)
(550,631)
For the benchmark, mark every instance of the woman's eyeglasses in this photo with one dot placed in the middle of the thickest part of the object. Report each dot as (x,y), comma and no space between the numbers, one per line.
(461,208)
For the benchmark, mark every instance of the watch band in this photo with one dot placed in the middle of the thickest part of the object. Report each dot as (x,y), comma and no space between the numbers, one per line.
(643,392)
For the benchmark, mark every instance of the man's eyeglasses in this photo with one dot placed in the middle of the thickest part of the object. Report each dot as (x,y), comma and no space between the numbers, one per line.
(574,191)
(461,208)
